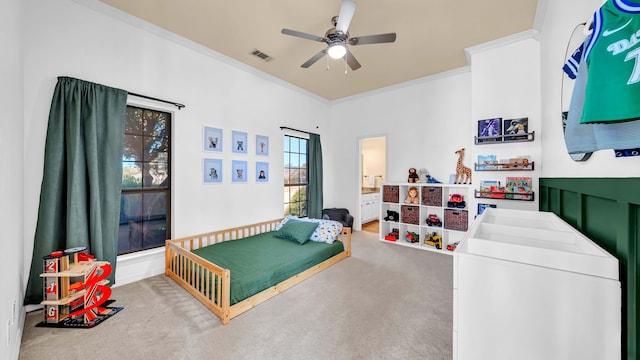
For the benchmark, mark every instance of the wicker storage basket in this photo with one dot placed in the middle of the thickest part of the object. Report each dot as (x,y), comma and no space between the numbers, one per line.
(456,219)
(410,214)
(391,193)
(432,196)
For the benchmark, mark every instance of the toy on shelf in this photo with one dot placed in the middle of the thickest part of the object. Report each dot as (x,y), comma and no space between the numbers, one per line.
(393,235)
(456,201)
(463,173)
(452,247)
(432,180)
(412,237)
(433,220)
(434,239)
(392,216)
(413,176)
(75,291)
(412,196)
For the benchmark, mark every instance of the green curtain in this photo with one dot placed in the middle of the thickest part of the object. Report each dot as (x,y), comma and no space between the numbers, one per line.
(80,192)
(314,205)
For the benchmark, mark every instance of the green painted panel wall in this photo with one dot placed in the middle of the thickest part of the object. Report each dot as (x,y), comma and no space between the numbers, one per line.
(607,210)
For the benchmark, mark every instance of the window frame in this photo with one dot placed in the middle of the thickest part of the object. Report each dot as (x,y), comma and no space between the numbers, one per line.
(166,191)
(302,211)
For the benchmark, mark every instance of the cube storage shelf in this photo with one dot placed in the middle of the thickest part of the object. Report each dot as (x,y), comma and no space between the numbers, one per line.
(415,218)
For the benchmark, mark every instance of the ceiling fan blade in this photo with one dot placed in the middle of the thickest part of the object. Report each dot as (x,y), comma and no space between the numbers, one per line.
(315,58)
(345,15)
(304,35)
(351,60)
(373,39)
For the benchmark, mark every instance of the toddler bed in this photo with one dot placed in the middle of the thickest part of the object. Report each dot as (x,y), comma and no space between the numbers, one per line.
(230,277)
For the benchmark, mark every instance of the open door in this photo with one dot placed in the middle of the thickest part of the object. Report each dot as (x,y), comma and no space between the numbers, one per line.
(373,152)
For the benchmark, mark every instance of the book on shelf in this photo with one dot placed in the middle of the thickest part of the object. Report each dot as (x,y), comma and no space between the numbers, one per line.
(487,159)
(518,187)
(490,130)
(489,185)
(516,129)
(481,207)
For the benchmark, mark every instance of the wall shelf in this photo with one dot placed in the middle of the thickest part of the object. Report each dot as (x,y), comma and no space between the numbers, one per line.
(503,195)
(501,139)
(505,167)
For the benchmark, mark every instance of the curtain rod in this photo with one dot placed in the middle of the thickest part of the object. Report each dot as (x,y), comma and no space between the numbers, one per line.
(301,131)
(178,105)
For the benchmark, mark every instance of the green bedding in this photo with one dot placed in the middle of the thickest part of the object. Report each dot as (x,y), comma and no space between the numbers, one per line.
(262,261)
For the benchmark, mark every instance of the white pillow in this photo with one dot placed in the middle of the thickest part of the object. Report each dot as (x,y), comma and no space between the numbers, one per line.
(326,232)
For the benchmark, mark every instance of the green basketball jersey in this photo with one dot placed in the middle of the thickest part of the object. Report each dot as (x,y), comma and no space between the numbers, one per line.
(613,54)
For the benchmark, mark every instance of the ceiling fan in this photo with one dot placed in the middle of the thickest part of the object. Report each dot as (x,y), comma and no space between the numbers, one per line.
(337,38)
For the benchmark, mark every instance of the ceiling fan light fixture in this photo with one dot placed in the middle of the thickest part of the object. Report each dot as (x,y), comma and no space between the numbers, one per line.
(337,51)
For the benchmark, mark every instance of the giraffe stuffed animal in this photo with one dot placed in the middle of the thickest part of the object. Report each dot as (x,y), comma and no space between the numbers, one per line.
(463,173)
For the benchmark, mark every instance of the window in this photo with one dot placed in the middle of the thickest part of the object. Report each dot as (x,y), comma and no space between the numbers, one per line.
(295,175)
(145,202)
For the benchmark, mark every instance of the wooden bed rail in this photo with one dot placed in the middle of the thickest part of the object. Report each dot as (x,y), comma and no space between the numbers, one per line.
(211,284)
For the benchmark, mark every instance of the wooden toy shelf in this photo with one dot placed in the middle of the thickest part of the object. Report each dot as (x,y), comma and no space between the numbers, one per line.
(503,195)
(501,139)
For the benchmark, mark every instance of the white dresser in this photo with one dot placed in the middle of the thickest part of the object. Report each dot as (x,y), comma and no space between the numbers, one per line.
(529,286)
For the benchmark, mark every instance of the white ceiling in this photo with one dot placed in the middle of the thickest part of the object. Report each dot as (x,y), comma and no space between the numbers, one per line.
(431,35)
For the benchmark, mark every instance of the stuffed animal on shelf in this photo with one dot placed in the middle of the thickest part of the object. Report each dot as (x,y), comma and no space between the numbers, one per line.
(412,196)
(392,216)
(422,175)
(413,176)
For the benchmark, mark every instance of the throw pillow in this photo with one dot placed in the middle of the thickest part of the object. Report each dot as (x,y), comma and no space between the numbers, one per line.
(295,230)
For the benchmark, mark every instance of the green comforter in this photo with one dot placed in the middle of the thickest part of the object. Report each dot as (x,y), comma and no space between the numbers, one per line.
(262,261)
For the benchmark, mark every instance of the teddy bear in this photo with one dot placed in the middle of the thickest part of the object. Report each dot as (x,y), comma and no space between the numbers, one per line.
(413,176)
(412,196)
(392,216)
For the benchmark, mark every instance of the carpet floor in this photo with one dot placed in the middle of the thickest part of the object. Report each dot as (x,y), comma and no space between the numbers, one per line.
(384,302)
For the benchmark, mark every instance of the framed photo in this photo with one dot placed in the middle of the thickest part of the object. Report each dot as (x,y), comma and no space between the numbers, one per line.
(239,171)
(262,171)
(490,130)
(239,142)
(519,128)
(212,171)
(212,139)
(262,145)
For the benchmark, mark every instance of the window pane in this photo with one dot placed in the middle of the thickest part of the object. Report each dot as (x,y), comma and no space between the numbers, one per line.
(133,124)
(131,174)
(295,144)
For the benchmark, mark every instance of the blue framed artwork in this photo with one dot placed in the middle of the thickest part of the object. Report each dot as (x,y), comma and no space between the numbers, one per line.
(262,145)
(212,139)
(212,171)
(262,171)
(239,172)
(239,142)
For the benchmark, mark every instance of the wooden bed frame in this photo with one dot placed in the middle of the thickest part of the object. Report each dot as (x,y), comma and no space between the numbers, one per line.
(179,260)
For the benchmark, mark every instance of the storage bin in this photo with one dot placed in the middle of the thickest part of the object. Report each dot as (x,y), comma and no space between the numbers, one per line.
(391,193)
(410,214)
(456,219)
(432,196)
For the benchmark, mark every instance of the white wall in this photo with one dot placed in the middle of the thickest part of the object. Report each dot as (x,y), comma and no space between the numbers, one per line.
(65,38)
(12,190)
(558,22)
(425,122)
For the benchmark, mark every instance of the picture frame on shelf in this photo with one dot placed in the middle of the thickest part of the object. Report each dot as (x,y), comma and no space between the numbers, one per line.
(262,171)
(212,139)
(262,145)
(212,171)
(490,130)
(239,172)
(239,142)
(516,129)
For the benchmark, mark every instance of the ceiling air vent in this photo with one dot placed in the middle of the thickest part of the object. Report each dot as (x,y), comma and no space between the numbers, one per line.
(261,55)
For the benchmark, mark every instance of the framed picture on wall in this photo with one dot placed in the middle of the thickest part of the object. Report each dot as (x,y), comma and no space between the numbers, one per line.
(516,129)
(212,139)
(262,171)
(212,171)
(490,130)
(239,142)
(239,172)
(262,145)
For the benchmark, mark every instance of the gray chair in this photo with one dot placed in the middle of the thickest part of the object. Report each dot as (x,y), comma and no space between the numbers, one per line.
(339,214)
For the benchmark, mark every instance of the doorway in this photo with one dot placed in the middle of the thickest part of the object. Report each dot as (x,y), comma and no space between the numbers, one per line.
(373,151)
